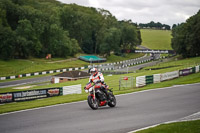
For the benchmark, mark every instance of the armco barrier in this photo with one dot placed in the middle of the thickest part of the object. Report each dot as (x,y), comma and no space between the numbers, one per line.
(30,95)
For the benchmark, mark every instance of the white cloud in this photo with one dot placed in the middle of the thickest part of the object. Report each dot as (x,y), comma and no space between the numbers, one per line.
(143,11)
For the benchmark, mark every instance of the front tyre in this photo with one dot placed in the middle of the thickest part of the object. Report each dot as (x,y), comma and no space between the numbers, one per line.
(92,103)
(112,100)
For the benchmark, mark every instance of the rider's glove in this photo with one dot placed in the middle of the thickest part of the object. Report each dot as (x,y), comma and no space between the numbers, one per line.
(86,91)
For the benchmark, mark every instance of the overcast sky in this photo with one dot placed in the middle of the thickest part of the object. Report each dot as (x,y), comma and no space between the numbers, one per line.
(143,11)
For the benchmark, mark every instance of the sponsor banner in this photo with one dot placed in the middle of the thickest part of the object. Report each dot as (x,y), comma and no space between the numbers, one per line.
(155,51)
(53,92)
(185,72)
(29,95)
(6,97)
(169,75)
(36,94)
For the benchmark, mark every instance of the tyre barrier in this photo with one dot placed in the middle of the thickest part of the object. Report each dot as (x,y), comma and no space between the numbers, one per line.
(156,78)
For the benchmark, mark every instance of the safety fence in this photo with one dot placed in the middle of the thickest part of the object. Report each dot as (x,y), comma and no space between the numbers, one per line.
(126,82)
(39,93)
(156,78)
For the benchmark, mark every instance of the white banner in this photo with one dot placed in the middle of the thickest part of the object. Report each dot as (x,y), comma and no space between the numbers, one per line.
(169,75)
(73,89)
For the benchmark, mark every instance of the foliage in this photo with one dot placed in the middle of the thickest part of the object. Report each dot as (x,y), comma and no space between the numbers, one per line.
(42,27)
(154,25)
(186,37)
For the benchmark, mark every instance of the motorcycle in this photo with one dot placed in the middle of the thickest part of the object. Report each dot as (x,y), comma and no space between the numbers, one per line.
(97,98)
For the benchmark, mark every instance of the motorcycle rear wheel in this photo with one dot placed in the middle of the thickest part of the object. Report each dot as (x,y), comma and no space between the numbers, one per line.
(93,103)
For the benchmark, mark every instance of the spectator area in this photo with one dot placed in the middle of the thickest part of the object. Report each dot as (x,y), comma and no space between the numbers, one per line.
(92,59)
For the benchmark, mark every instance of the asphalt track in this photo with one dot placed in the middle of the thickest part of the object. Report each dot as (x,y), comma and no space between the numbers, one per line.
(133,111)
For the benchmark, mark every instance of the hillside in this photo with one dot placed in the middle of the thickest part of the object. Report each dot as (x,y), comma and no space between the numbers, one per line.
(156,39)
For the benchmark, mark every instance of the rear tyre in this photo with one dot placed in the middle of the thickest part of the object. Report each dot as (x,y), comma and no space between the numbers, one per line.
(92,103)
(112,100)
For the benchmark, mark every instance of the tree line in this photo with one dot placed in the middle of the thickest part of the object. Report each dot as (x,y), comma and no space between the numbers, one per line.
(35,28)
(186,37)
(154,25)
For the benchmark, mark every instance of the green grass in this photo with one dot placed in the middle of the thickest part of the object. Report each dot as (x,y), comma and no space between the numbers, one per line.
(9,107)
(20,66)
(114,58)
(112,81)
(156,39)
(178,127)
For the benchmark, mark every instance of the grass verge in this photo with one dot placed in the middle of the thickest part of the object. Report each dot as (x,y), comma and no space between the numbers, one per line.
(193,78)
(177,127)
(20,66)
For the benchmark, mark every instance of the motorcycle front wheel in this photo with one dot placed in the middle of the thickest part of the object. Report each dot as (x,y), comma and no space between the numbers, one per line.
(112,100)
(92,103)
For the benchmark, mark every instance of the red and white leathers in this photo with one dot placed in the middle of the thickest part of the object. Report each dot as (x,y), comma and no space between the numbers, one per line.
(97,78)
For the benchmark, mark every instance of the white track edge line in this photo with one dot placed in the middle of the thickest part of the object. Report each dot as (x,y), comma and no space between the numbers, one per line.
(168,122)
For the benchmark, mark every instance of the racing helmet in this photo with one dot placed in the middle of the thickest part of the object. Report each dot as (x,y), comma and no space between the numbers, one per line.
(93,71)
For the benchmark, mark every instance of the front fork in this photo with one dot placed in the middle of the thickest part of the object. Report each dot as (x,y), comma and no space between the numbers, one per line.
(93,93)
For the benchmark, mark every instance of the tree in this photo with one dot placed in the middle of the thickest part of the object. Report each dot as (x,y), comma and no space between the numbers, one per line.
(186,37)
(111,41)
(7,41)
(129,38)
(27,42)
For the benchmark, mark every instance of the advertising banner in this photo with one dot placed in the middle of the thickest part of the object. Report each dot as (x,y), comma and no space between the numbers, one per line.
(54,92)
(29,95)
(169,75)
(5,98)
(185,72)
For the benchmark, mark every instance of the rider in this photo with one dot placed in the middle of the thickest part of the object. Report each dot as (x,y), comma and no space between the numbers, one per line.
(97,78)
